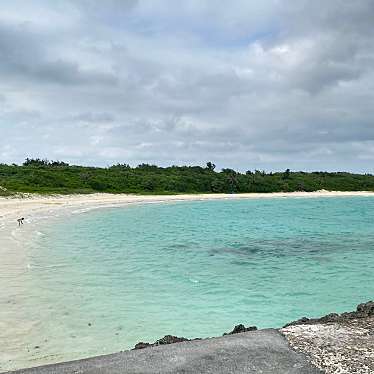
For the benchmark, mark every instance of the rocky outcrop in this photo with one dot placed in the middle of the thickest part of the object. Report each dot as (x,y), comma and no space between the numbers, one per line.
(167,339)
(170,339)
(240,328)
(363,310)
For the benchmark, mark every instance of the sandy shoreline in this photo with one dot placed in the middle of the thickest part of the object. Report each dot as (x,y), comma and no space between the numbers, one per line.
(11,208)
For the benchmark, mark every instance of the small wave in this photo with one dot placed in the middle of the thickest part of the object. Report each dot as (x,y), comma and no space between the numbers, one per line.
(193,280)
(48,267)
(80,211)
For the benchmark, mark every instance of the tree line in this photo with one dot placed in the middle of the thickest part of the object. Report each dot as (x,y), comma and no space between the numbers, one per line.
(45,176)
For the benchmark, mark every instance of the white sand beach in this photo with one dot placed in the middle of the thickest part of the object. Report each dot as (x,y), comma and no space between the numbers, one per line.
(14,207)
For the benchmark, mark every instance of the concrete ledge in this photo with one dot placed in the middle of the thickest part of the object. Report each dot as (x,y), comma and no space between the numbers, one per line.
(263,351)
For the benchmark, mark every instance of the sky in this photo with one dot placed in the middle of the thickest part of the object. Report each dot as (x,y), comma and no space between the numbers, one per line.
(270,84)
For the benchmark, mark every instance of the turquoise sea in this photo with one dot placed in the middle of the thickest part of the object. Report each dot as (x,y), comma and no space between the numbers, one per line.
(104,280)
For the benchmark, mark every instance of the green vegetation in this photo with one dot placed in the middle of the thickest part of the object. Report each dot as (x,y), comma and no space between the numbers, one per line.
(46,177)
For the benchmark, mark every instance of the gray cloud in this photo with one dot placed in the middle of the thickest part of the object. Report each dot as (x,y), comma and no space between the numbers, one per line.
(23,56)
(271,85)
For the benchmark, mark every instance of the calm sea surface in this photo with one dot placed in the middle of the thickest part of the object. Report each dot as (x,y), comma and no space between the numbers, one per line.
(101,281)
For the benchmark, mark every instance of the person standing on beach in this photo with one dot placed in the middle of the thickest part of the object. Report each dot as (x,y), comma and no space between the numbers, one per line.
(20,221)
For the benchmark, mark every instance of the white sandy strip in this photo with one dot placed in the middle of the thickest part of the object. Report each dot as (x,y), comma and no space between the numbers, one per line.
(11,208)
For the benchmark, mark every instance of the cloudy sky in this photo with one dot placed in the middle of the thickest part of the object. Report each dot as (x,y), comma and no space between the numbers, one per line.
(247,84)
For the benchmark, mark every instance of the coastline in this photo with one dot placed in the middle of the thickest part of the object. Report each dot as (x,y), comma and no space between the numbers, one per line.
(39,210)
(13,207)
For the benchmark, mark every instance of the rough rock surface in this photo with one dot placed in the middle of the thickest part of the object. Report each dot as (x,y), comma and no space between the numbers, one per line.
(167,339)
(363,310)
(336,343)
(240,328)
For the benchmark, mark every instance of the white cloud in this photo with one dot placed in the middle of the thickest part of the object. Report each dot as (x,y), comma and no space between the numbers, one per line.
(268,85)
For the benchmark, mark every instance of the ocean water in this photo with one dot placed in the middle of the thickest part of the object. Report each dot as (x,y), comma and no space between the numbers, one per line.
(101,281)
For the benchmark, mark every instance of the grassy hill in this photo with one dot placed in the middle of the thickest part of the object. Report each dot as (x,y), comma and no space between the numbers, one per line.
(43,176)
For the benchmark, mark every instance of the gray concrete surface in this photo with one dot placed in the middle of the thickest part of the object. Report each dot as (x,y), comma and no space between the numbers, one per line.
(263,351)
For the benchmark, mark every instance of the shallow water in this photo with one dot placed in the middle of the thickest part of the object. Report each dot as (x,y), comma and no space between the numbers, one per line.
(101,281)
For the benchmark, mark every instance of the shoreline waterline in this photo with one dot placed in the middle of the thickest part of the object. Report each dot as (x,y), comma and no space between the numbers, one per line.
(41,211)
(11,207)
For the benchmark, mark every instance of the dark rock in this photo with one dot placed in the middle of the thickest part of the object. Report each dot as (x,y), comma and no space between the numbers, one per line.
(362,311)
(366,308)
(170,339)
(141,345)
(301,321)
(240,328)
(167,339)
(332,317)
